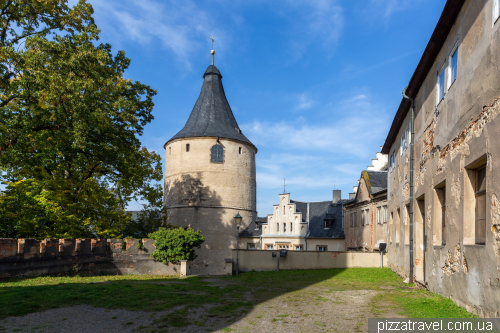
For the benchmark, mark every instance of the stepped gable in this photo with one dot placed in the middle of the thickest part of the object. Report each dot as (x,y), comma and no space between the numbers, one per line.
(211,115)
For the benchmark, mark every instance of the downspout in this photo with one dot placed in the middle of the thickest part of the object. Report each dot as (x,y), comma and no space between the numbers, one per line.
(305,237)
(412,121)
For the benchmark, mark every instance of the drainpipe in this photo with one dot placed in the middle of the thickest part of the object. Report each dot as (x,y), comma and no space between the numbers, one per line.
(412,121)
(305,237)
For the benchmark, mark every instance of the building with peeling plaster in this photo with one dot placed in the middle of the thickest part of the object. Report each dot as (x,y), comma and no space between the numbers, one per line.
(366,214)
(444,215)
(298,226)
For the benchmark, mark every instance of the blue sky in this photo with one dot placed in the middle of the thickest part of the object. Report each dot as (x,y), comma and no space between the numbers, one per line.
(313,84)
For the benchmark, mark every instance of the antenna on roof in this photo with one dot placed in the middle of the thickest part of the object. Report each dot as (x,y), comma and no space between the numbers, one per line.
(213,52)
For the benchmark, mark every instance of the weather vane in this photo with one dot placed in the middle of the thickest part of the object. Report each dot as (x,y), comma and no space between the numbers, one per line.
(213,52)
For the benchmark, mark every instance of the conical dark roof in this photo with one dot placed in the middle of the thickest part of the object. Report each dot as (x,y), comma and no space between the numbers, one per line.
(212,115)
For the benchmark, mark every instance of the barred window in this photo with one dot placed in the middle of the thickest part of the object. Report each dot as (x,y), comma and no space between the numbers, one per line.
(217,154)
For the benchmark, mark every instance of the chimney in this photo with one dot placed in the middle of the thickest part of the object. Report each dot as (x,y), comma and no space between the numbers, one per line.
(336,196)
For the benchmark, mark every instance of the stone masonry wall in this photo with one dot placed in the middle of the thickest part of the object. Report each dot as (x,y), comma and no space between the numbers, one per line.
(29,257)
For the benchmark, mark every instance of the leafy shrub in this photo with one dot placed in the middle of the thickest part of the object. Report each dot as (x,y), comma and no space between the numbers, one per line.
(173,245)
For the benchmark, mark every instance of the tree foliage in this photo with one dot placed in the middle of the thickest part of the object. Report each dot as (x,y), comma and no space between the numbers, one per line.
(176,244)
(69,124)
(152,216)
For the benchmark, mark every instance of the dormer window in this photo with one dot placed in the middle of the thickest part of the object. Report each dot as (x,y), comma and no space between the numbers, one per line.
(217,154)
(256,225)
(328,224)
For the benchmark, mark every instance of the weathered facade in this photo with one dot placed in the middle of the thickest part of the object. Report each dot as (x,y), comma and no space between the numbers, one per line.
(366,215)
(454,208)
(210,176)
(298,226)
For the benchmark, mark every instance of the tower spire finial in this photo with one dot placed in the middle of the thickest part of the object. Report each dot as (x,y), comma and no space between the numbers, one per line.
(284,185)
(213,52)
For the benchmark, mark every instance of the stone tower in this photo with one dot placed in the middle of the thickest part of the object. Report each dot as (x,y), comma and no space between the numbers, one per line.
(210,176)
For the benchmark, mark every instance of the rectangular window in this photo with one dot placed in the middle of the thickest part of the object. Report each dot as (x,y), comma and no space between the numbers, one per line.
(187,147)
(379,215)
(299,248)
(351,220)
(256,225)
(401,145)
(277,227)
(321,248)
(269,246)
(385,214)
(453,65)
(328,224)
(480,193)
(496,10)
(239,150)
(250,246)
(356,219)
(362,218)
(439,227)
(170,150)
(440,86)
(284,227)
(291,227)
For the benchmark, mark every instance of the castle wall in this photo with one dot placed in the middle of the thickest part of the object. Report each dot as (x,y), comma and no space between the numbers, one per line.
(206,196)
(29,257)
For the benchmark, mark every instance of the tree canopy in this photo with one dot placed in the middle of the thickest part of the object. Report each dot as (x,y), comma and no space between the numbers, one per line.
(69,125)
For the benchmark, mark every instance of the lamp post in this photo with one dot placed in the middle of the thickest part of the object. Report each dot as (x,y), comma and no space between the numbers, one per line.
(237,220)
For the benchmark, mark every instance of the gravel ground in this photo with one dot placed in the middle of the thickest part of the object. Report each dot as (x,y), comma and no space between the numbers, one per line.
(312,309)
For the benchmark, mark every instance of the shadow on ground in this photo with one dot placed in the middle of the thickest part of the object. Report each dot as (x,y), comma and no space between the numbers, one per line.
(253,301)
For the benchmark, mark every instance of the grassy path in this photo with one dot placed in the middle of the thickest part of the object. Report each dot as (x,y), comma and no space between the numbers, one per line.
(302,301)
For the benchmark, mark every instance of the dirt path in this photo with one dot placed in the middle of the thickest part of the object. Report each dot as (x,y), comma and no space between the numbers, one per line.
(312,309)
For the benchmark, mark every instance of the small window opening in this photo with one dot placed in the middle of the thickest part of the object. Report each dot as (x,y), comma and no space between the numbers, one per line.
(239,150)
(187,147)
(284,227)
(480,193)
(291,227)
(170,150)
(328,224)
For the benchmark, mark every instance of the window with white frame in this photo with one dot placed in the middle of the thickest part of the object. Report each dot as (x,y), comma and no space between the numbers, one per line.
(321,248)
(269,247)
(453,61)
(299,248)
(379,215)
(440,85)
(496,10)
(362,218)
(250,246)
(385,214)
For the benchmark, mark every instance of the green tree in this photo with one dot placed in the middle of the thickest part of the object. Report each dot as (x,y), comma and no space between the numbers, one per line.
(69,124)
(152,216)
(176,244)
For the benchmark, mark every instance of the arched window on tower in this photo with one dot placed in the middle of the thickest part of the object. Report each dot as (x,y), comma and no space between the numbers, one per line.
(217,154)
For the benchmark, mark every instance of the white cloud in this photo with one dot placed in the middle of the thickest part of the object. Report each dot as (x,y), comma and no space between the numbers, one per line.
(388,7)
(315,158)
(181,27)
(304,102)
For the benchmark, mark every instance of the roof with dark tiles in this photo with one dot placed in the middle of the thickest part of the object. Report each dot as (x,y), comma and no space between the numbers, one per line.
(255,228)
(378,180)
(211,115)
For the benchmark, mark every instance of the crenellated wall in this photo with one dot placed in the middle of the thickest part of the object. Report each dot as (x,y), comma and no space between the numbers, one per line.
(29,257)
